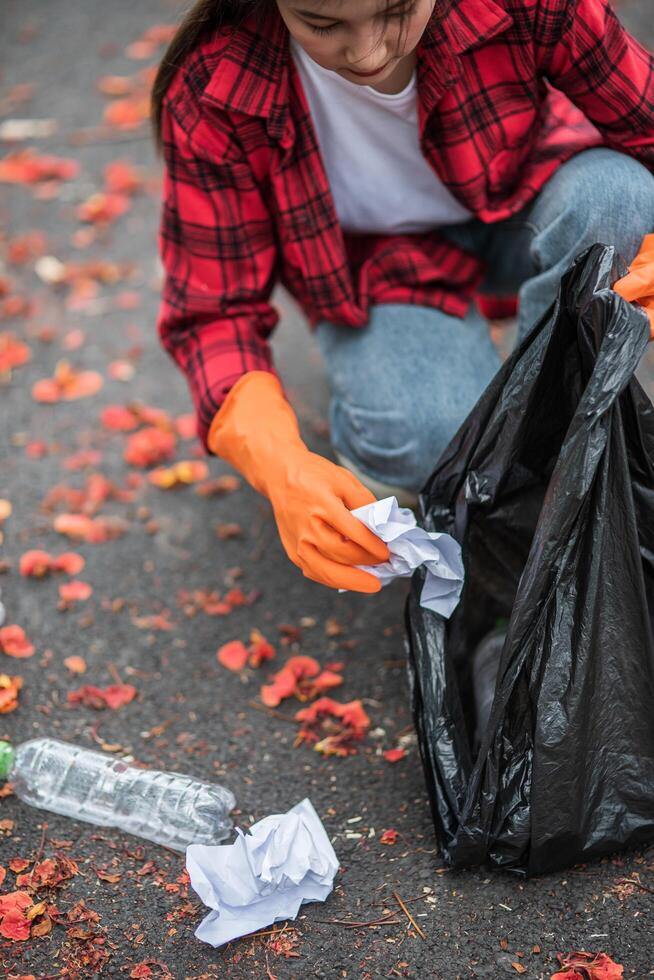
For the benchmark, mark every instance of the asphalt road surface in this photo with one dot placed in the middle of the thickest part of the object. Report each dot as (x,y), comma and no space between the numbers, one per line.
(190,713)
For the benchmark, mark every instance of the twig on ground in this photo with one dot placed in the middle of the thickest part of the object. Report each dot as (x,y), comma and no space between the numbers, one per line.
(113,670)
(386,921)
(632,881)
(408,915)
(271,711)
(39,851)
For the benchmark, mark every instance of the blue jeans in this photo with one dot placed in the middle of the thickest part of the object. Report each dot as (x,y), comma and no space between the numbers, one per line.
(402,385)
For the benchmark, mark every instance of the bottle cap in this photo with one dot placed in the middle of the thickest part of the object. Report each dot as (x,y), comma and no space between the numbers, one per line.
(6,758)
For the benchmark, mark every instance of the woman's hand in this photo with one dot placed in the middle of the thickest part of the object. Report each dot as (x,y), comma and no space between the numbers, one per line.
(312,504)
(638,285)
(257,432)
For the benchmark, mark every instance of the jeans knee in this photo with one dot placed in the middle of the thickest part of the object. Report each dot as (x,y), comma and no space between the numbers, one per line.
(391,446)
(613,203)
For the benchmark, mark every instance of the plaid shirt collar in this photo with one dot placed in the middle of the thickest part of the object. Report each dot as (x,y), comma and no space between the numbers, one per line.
(253,76)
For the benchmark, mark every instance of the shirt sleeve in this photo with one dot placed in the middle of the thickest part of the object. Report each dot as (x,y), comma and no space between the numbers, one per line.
(217,246)
(585,51)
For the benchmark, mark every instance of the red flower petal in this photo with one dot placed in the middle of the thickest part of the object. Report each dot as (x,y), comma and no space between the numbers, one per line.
(394,755)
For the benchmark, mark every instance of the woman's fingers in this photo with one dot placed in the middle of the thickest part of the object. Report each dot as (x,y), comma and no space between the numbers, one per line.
(318,568)
(338,517)
(332,544)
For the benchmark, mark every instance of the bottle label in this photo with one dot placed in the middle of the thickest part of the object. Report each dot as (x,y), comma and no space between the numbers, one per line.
(6,758)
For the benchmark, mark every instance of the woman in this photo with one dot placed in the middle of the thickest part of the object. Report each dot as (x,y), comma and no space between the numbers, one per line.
(386,160)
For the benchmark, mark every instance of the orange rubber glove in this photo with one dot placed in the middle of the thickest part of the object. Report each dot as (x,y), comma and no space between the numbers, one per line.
(256,430)
(638,285)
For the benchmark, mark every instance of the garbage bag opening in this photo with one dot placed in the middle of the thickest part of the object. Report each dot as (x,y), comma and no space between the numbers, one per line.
(549,488)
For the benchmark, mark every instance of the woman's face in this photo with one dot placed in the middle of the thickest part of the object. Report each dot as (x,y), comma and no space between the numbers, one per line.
(349,36)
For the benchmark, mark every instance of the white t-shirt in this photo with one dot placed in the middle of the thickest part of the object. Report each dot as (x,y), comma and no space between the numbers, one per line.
(369,141)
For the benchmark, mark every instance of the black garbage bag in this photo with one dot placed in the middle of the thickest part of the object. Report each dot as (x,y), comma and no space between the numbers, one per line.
(549,488)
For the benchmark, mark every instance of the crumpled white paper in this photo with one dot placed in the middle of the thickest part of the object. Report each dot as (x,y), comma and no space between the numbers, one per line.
(411,546)
(264,876)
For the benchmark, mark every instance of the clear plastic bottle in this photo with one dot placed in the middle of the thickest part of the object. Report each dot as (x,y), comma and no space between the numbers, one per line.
(165,807)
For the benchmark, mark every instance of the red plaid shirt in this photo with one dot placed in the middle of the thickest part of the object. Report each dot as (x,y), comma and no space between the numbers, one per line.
(507,91)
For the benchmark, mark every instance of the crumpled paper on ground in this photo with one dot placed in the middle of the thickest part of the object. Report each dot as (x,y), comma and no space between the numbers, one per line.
(411,546)
(264,876)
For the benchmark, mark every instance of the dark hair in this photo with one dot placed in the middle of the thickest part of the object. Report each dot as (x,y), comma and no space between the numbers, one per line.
(203,17)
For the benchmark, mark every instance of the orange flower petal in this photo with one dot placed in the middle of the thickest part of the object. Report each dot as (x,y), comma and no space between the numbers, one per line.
(46,390)
(15,926)
(126,113)
(121,177)
(82,385)
(17,900)
(14,643)
(118,418)
(9,688)
(75,591)
(259,649)
(149,447)
(186,426)
(233,655)
(114,696)
(69,562)
(19,864)
(283,686)
(13,352)
(76,665)
(35,563)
